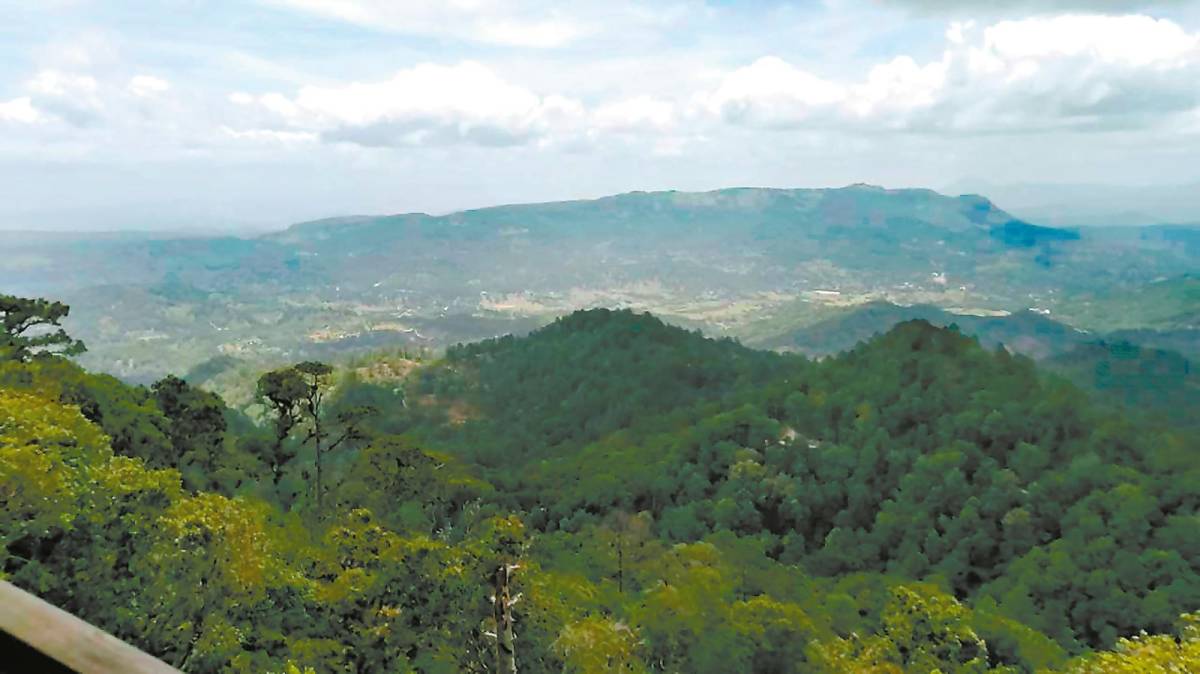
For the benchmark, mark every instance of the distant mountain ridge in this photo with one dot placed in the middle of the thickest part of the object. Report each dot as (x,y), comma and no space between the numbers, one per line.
(749,237)
(821,208)
(716,261)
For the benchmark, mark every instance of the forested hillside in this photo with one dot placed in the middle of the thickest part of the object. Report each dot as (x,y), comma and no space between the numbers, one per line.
(663,502)
(1025,332)
(1160,384)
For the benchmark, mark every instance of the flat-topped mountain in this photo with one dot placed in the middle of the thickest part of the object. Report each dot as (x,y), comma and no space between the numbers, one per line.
(666,250)
(775,222)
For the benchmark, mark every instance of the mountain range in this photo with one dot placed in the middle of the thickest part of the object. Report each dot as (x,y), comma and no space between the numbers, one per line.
(744,262)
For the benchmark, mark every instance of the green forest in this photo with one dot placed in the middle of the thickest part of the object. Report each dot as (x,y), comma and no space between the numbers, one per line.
(607,494)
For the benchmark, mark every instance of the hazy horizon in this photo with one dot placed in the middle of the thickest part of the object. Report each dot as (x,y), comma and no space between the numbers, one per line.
(1021,199)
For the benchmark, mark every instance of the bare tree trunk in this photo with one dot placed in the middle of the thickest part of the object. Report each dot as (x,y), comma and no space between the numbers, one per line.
(506,656)
(317,437)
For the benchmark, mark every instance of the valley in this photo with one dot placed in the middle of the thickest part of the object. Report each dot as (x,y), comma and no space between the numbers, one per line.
(753,264)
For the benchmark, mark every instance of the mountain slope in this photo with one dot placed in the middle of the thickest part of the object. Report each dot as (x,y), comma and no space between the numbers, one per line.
(587,375)
(1166,304)
(855,226)
(1154,382)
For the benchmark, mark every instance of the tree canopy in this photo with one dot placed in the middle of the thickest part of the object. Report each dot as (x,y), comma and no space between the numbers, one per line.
(28,329)
(663,503)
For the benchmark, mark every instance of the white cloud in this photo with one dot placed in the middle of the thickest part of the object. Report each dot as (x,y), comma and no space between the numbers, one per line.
(427,104)
(19,110)
(145,86)
(1041,73)
(894,89)
(58,83)
(640,113)
(955,33)
(464,104)
(1037,74)
(271,136)
(280,105)
(108,113)
(73,97)
(773,93)
(542,34)
(1128,40)
(1071,72)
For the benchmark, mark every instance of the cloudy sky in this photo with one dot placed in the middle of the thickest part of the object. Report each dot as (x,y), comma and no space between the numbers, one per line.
(215,114)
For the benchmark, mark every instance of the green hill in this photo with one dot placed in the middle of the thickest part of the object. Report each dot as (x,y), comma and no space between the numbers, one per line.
(593,373)
(1166,304)
(1153,382)
(1124,367)
(1025,332)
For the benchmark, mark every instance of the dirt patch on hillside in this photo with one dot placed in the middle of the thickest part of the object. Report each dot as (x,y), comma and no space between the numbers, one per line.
(387,370)
(458,411)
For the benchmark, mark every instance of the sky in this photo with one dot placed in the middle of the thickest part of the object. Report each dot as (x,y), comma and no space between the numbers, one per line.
(214,115)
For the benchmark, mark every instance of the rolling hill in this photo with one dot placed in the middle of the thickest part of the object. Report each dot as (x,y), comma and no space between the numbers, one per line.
(1165,304)
(1026,332)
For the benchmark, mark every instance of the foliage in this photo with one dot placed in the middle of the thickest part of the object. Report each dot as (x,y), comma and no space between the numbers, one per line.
(296,395)
(26,329)
(669,503)
(1146,654)
(1160,384)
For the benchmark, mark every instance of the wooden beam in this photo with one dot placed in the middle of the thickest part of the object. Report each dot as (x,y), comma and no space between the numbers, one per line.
(81,646)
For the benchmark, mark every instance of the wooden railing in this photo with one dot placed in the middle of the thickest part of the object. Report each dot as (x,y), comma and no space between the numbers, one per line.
(68,640)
